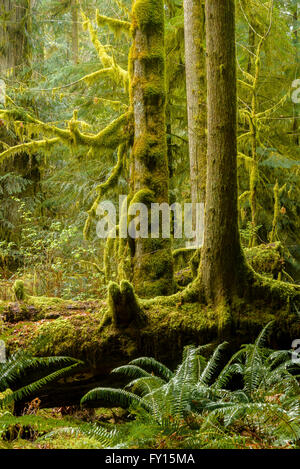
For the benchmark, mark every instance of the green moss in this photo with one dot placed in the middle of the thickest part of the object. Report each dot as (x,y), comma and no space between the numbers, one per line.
(144,196)
(154,275)
(46,301)
(70,336)
(19,290)
(118,74)
(266,259)
(123,303)
(195,262)
(152,258)
(115,25)
(104,187)
(277,193)
(147,14)
(108,257)
(160,327)
(183,277)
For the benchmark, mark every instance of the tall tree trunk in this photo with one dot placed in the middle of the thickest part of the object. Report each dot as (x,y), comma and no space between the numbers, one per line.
(152,258)
(14,31)
(194,38)
(222,260)
(295,135)
(75,31)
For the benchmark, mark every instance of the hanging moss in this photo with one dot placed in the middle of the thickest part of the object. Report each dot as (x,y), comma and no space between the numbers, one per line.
(29,148)
(117,132)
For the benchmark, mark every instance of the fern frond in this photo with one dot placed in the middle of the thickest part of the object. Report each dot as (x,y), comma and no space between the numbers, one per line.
(131,371)
(114,398)
(212,364)
(36,386)
(154,367)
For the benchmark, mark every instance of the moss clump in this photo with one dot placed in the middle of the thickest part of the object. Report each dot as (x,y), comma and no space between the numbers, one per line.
(183,277)
(44,303)
(19,290)
(147,14)
(266,259)
(123,304)
(181,257)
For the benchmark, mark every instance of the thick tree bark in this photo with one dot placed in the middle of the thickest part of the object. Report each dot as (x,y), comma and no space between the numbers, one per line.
(152,258)
(194,35)
(14,31)
(222,261)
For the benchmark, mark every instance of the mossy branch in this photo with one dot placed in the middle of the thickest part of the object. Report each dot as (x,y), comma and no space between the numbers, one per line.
(115,25)
(118,131)
(49,129)
(30,147)
(118,74)
(110,137)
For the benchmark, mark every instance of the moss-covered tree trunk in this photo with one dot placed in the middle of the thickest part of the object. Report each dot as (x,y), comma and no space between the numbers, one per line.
(194,36)
(222,260)
(152,258)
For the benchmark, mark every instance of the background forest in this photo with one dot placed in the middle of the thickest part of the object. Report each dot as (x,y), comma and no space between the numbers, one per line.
(68,90)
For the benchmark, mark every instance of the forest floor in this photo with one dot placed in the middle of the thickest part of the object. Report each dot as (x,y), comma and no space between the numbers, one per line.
(46,326)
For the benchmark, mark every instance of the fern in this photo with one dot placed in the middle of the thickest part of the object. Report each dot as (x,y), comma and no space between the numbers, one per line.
(131,371)
(18,366)
(154,366)
(114,398)
(106,438)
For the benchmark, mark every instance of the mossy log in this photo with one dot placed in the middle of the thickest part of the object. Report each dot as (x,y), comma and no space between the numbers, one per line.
(113,332)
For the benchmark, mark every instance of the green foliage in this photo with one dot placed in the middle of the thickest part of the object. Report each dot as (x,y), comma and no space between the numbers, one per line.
(18,368)
(257,389)
(100,435)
